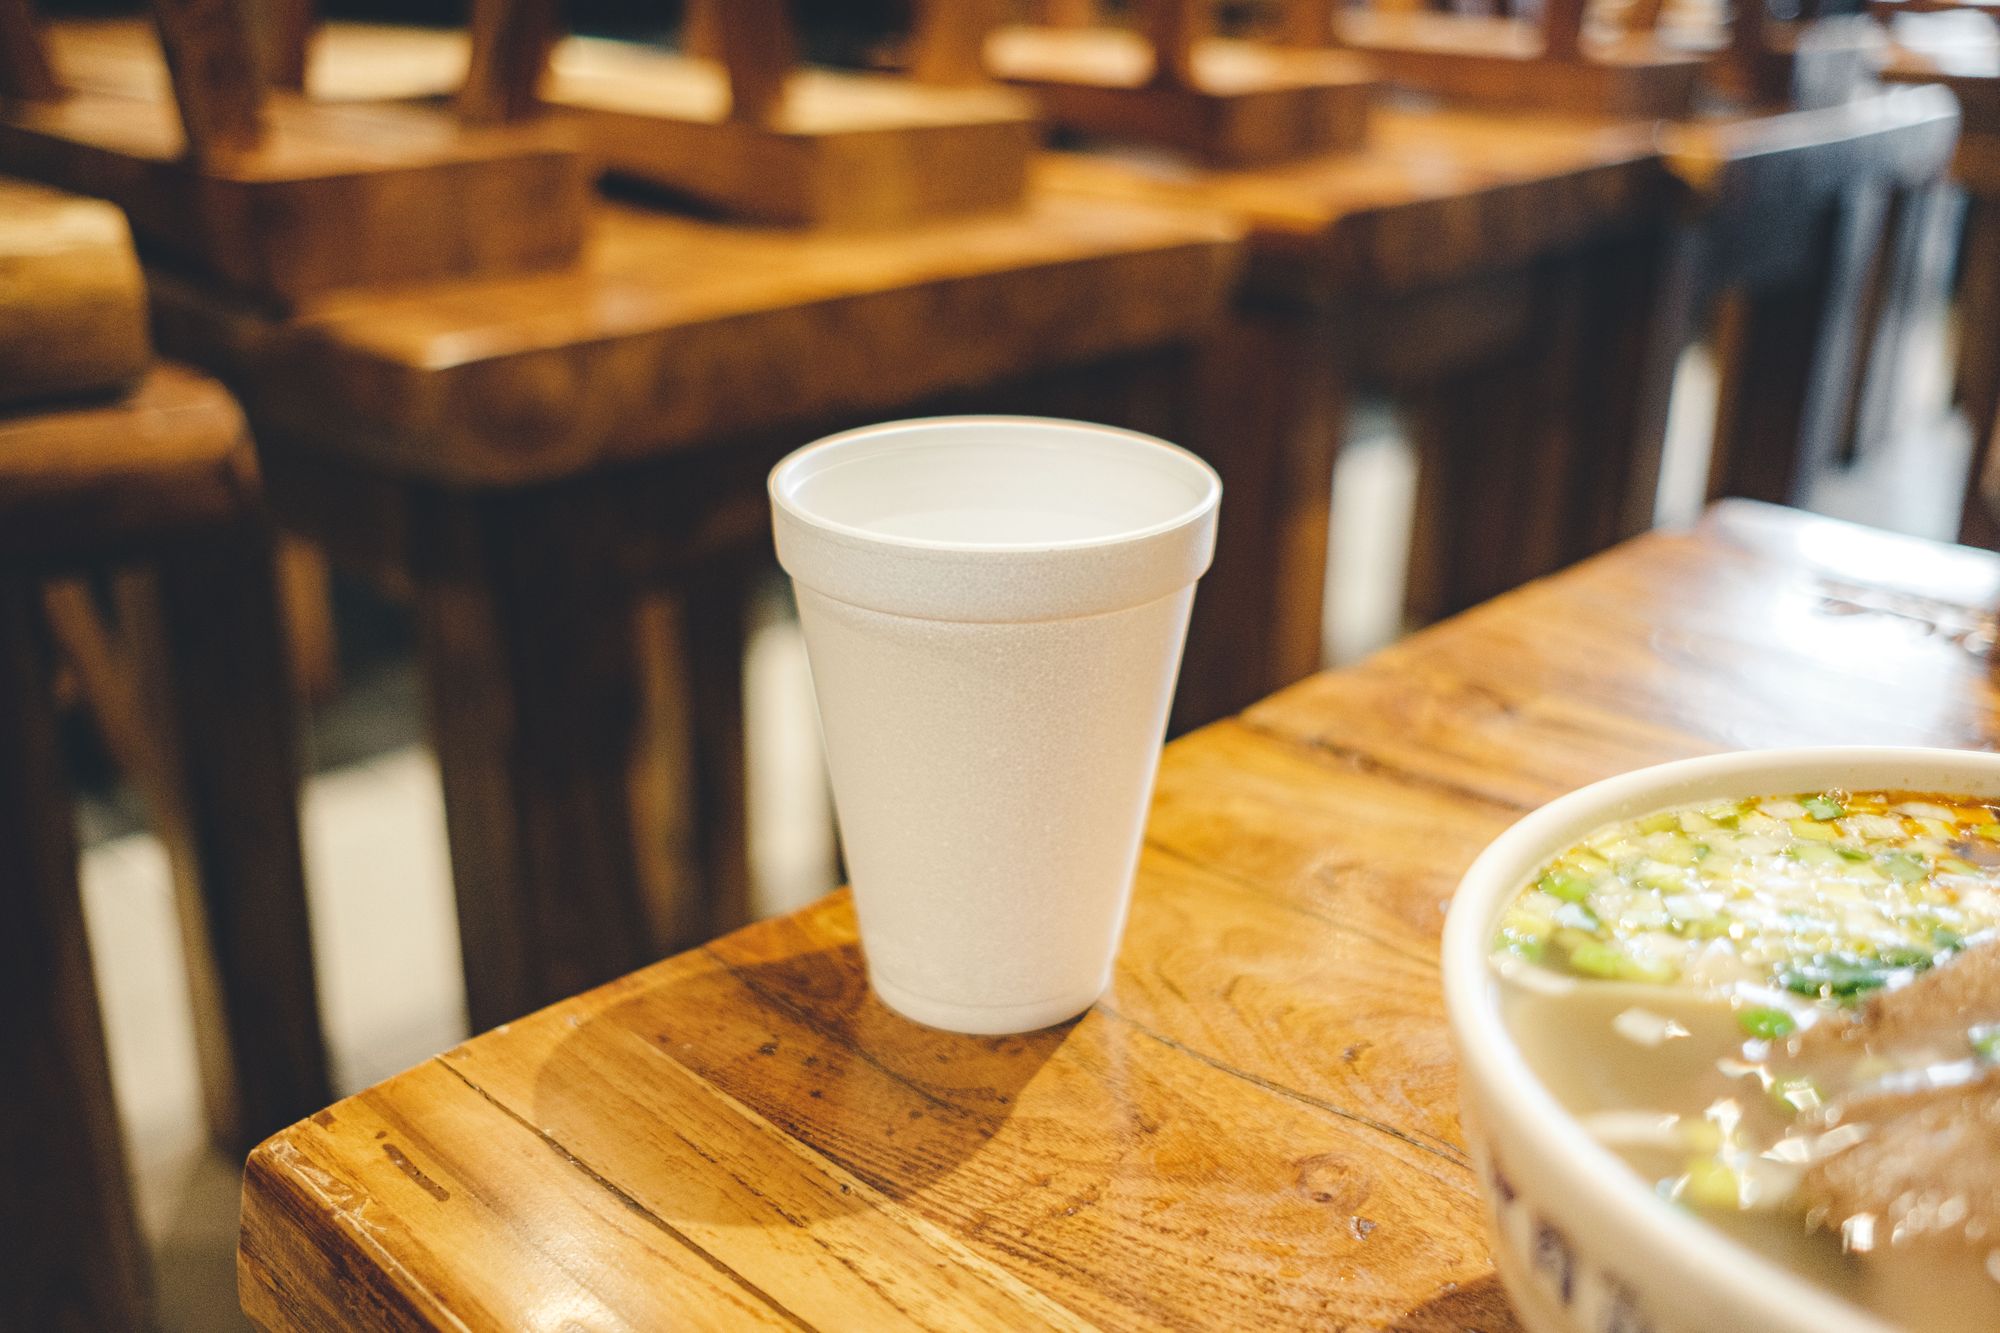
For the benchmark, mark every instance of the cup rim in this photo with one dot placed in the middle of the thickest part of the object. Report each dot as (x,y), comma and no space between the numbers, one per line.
(800,461)
(1489,1058)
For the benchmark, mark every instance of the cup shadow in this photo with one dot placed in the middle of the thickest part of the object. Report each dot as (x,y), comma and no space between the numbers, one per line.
(800,1040)
(1474,1307)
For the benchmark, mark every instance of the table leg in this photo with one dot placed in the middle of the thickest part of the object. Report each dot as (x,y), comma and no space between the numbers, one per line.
(548,683)
(208,635)
(72,1257)
(714,628)
(1979,358)
(1471,441)
(1271,412)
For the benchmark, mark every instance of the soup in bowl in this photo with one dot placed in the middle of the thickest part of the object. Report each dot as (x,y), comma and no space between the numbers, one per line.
(1729,1041)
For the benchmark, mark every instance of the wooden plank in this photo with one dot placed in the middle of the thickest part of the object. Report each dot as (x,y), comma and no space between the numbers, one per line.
(74,301)
(73,1258)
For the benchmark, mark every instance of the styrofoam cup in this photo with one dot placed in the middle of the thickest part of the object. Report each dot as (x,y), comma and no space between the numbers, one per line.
(994,609)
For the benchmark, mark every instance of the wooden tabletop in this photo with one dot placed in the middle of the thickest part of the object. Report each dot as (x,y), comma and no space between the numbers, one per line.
(1438,194)
(1256,1127)
(674,332)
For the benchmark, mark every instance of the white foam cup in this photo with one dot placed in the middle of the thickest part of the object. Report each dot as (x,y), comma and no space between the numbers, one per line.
(994,609)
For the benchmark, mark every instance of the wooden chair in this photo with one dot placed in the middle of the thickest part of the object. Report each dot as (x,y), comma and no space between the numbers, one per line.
(108,463)
(1172,82)
(281,197)
(1785,227)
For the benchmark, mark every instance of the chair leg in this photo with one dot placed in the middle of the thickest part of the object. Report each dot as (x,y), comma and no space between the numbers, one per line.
(208,634)
(562,779)
(72,1259)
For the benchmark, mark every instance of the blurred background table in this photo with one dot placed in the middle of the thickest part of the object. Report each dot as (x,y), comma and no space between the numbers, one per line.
(1256,1127)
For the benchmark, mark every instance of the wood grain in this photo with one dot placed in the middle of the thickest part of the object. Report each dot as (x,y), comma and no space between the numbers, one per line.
(1256,1126)
(73,299)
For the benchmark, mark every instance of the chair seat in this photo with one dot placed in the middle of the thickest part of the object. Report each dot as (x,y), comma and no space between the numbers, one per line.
(88,478)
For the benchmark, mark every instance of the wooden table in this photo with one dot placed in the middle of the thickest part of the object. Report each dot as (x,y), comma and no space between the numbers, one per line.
(1256,1128)
(1492,274)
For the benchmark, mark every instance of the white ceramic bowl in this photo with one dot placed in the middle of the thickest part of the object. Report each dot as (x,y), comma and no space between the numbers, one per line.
(1581,1242)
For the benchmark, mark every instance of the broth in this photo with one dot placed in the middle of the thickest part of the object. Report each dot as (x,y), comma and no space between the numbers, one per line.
(1784,1013)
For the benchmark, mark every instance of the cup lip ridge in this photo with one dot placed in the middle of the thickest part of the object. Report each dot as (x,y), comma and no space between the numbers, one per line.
(791,464)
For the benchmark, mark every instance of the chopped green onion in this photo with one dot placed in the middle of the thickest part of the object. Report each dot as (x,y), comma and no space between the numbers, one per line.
(1660,823)
(1767,1024)
(1824,808)
(1835,976)
(1561,884)
(1598,959)
(1985,1039)
(1904,867)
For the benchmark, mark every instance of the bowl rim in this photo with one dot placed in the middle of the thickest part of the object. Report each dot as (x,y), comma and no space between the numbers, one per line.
(1488,1057)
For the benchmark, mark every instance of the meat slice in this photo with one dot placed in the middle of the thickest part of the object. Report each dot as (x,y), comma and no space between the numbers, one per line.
(1928,1168)
(1932,1013)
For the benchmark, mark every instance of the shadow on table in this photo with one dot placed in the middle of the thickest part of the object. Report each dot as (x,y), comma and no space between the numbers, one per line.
(801,1041)
(1479,1306)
